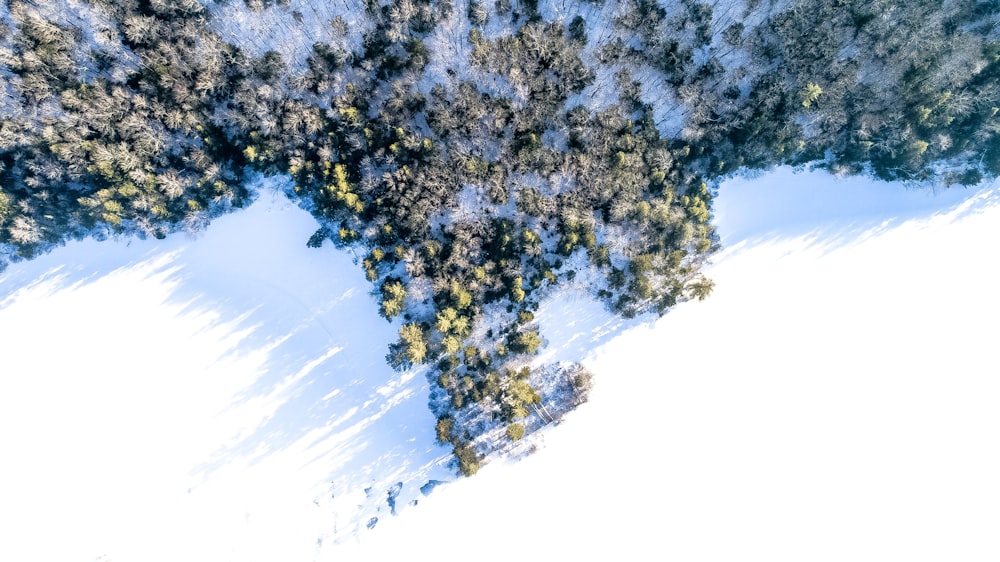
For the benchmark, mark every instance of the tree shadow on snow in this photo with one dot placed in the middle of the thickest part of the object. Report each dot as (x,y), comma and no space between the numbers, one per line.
(830,212)
(324,389)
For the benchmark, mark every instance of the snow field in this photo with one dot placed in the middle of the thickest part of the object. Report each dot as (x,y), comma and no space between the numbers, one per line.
(226,398)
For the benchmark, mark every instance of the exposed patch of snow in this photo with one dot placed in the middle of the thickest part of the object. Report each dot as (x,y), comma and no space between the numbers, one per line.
(556,140)
(809,123)
(599,18)
(499,25)
(469,205)
(668,112)
(601,94)
(530,180)
(290,29)
(449,62)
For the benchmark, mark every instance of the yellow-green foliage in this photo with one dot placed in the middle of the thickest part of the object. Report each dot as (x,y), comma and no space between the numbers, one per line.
(471,353)
(524,342)
(460,298)
(531,242)
(574,235)
(341,190)
(444,320)
(348,235)
(700,288)
(517,397)
(515,431)
(809,94)
(393,298)
(516,292)
(414,346)
(451,344)
(696,207)
(443,429)
(468,460)
(4,206)
(350,115)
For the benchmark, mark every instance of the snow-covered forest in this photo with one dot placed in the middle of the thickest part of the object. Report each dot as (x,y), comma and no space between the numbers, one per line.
(475,155)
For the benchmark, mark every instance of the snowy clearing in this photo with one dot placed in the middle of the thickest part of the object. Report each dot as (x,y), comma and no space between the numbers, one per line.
(223,398)
(226,398)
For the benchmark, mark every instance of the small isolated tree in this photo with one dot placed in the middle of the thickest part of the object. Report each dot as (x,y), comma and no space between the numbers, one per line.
(515,431)
(700,288)
(582,381)
(577,29)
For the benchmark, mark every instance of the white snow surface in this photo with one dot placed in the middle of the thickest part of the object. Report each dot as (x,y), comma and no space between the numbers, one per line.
(290,29)
(225,398)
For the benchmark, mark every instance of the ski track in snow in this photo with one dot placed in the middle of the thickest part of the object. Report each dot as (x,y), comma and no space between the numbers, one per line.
(225,397)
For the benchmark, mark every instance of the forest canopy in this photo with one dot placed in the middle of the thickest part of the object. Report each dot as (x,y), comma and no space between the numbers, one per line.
(480,153)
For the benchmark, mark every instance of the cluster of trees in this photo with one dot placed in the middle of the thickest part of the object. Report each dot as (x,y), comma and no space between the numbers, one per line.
(475,190)
(117,132)
(387,160)
(883,86)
